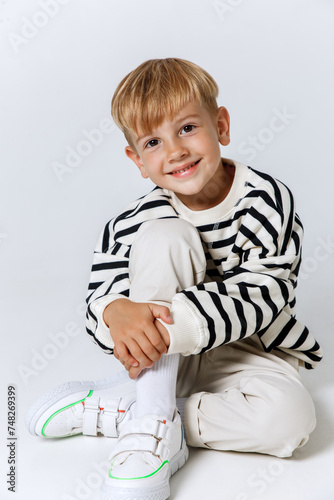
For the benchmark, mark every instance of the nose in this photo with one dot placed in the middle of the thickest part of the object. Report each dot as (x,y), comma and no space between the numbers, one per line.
(176,150)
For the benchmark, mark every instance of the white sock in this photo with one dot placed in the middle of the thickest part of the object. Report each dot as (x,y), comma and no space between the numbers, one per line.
(156,388)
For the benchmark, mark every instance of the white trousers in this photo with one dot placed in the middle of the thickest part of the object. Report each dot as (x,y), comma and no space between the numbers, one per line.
(240,397)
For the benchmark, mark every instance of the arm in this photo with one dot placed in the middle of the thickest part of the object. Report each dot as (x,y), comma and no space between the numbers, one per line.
(109,278)
(256,293)
(109,281)
(120,326)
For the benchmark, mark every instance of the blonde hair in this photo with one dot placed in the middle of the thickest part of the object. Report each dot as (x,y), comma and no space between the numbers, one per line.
(157,89)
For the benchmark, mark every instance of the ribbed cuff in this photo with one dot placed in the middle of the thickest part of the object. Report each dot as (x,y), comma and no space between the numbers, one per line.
(189,332)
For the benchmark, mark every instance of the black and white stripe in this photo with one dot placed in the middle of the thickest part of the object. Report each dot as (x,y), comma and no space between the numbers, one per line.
(253,257)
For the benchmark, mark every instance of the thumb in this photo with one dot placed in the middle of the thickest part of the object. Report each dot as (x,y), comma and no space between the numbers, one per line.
(161,312)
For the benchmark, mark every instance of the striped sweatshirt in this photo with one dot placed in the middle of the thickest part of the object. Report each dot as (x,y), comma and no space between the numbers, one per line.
(252,243)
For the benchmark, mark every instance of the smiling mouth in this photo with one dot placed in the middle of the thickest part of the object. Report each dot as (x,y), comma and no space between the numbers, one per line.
(181,171)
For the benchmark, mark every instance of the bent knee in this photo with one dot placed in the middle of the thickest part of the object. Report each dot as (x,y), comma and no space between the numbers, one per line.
(286,415)
(167,230)
(171,240)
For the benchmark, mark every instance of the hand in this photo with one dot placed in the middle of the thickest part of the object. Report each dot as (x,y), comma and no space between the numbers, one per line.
(138,338)
(135,371)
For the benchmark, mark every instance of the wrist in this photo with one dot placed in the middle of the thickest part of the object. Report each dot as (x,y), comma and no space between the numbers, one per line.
(108,310)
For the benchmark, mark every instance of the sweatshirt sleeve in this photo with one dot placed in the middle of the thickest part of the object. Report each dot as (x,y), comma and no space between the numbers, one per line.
(256,294)
(109,281)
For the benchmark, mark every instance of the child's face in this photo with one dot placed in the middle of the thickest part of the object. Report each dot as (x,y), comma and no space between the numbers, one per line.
(183,153)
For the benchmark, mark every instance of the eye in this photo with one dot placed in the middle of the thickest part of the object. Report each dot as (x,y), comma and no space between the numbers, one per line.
(188,128)
(151,143)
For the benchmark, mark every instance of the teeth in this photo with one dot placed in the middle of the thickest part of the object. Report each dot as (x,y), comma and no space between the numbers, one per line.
(184,169)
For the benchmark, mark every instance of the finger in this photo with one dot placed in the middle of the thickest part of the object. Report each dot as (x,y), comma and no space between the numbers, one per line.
(137,349)
(151,344)
(163,332)
(129,367)
(156,340)
(135,372)
(161,312)
(125,356)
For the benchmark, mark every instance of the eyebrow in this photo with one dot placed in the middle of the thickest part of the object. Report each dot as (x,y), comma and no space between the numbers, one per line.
(182,119)
(188,117)
(141,137)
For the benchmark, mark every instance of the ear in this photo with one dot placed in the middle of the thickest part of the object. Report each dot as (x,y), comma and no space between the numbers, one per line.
(135,157)
(223,126)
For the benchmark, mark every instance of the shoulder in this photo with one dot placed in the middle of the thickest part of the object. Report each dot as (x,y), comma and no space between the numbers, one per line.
(265,193)
(154,205)
(276,189)
(149,206)
(268,210)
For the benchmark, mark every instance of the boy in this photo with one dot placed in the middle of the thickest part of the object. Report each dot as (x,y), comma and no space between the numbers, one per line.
(192,290)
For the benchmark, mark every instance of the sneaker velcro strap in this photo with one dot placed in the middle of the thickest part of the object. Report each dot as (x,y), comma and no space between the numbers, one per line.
(90,415)
(164,432)
(146,425)
(147,435)
(135,443)
(109,418)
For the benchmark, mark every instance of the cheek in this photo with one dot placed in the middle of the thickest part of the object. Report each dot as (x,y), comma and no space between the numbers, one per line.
(210,141)
(212,147)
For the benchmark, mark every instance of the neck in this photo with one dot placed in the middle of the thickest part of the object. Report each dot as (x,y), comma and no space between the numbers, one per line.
(215,191)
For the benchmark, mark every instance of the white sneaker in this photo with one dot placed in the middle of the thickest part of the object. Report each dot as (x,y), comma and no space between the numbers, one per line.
(85,408)
(148,451)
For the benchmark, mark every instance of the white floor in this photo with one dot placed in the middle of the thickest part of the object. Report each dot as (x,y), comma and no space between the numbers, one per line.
(62,61)
(73,469)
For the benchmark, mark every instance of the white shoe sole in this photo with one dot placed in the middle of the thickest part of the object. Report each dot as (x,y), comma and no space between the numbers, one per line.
(65,391)
(158,492)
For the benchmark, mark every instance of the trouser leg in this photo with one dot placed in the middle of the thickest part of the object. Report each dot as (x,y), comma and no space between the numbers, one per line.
(249,401)
(266,409)
(166,257)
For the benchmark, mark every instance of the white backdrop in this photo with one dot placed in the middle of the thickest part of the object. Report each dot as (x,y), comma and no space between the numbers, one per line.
(64,174)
